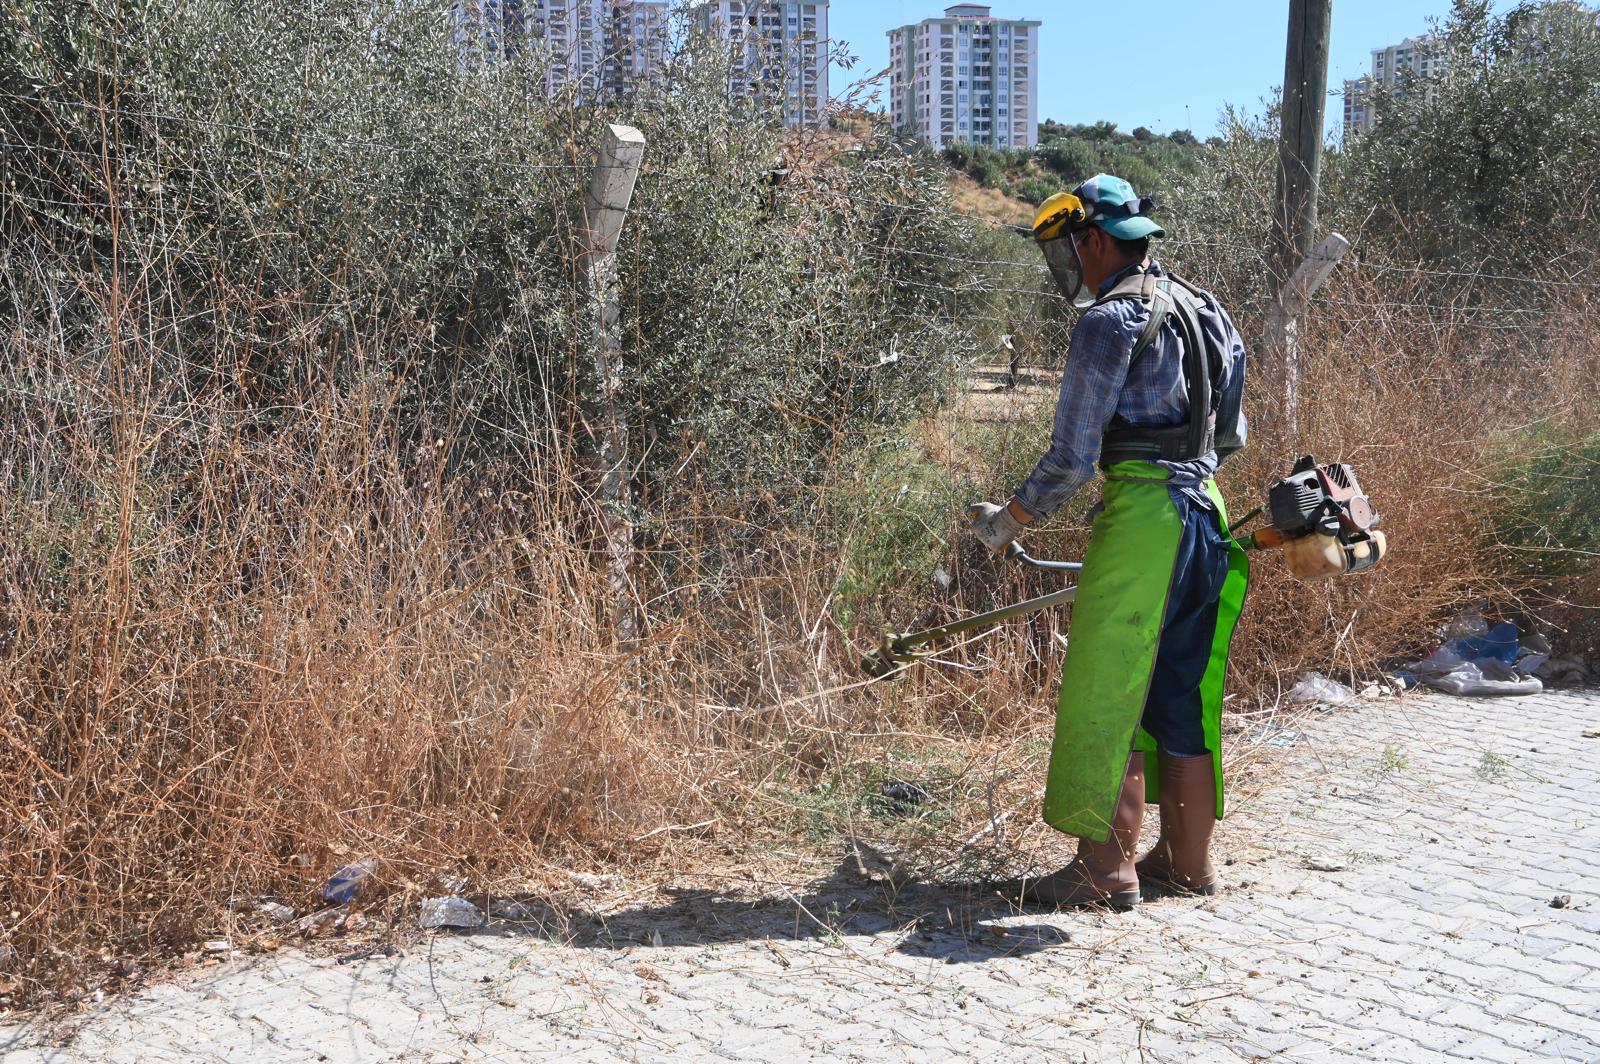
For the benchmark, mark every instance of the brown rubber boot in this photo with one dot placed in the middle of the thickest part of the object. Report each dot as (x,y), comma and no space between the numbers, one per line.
(1180,861)
(1103,872)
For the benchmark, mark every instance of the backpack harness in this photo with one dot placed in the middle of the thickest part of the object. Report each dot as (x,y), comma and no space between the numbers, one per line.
(1202,372)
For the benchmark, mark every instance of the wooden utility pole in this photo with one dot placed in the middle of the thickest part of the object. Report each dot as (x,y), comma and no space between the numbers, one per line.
(1305,97)
(616,171)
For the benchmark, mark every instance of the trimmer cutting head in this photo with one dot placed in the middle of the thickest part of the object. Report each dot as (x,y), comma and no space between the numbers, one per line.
(880,666)
(890,659)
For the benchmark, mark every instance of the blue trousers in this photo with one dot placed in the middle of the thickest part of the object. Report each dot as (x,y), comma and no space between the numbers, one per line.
(1172,709)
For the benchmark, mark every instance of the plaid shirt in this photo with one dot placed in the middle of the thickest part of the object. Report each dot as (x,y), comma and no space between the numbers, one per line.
(1096,385)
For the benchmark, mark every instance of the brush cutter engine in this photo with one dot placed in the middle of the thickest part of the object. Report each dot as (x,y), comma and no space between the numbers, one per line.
(1325,523)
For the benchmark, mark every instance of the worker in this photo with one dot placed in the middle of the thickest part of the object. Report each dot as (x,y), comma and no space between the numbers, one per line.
(1151,393)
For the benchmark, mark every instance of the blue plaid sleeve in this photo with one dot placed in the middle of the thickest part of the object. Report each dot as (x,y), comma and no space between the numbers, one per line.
(1091,385)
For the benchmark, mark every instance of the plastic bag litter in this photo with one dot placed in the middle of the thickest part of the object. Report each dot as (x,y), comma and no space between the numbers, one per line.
(1487,678)
(1315,687)
(1484,662)
(449,912)
(345,884)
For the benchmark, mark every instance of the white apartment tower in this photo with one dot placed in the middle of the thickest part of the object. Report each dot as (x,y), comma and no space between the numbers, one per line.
(571,34)
(1422,57)
(636,50)
(597,49)
(967,76)
(780,50)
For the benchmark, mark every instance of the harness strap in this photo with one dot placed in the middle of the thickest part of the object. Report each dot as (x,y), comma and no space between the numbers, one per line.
(1166,297)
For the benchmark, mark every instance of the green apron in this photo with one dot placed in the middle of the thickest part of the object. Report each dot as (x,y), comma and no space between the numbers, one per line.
(1111,649)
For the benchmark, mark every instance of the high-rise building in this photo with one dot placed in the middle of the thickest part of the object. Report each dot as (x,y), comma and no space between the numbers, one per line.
(489,32)
(636,52)
(572,37)
(966,77)
(1543,31)
(1421,57)
(595,49)
(1357,105)
(780,52)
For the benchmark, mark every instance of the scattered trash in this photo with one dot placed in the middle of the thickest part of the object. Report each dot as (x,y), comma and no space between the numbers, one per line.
(1561,901)
(318,924)
(450,884)
(512,909)
(1568,670)
(345,884)
(275,911)
(1480,661)
(590,881)
(449,912)
(366,954)
(904,796)
(1315,687)
(1469,622)
(1404,679)
(354,920)
(942,580)
(1276,735)
(1591,733)
(217,945)
(1326,864)
(1481,680)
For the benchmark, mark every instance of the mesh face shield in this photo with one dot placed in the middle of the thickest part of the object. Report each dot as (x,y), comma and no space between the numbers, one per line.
(1061,255)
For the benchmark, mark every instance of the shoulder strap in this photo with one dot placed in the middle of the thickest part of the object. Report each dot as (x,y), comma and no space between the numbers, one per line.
(1198,301)
(1134,286)
(1154,293)
(1160,300)
(1200,365)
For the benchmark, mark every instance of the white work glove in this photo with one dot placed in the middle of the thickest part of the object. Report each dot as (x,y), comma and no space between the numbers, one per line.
(997,526)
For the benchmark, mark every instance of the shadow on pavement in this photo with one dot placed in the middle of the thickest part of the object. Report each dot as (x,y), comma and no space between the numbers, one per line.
(958,922)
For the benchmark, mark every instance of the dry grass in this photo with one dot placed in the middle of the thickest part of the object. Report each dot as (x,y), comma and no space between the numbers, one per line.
(973,198)
(233,659)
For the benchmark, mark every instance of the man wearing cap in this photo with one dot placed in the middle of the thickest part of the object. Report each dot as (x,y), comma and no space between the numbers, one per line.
(1151,394)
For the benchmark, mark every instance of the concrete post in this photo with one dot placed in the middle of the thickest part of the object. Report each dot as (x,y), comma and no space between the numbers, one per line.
(616,171)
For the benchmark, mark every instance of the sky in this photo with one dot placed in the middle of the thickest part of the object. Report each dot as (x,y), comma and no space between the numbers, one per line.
(1178,61)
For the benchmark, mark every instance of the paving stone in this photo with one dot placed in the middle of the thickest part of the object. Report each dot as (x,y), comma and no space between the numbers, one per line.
(1435,942)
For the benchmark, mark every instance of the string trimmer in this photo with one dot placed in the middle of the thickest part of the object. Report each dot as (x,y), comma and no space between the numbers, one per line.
(1319,515)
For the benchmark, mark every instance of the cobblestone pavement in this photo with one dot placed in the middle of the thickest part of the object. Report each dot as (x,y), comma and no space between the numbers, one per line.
(1390,899)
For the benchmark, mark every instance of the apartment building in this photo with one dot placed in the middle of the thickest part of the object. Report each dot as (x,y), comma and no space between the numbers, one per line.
(488,32)
(966,77)
(780,52)
(595,49)
(636,52)
(1422,57)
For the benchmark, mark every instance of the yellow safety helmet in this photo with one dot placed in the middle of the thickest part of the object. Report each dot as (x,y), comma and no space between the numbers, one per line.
(1058,216)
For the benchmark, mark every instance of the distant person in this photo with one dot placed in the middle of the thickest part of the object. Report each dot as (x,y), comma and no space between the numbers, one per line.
(1151,394)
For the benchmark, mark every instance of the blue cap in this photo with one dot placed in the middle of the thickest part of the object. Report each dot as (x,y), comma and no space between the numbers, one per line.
(1112,204)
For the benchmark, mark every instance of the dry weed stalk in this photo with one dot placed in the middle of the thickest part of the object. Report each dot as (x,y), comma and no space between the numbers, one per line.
(272,603)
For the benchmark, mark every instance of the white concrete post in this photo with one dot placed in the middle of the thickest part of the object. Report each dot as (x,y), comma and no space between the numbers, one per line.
(1283,321)
(605,208)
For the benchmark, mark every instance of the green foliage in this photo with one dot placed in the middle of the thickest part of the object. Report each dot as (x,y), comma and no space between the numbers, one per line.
(1034,190)
(1067,155)
(1494,158)
(1547,513)
(365,201)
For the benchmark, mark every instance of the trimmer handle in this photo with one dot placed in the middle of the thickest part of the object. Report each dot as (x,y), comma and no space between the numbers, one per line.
(1016,553)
